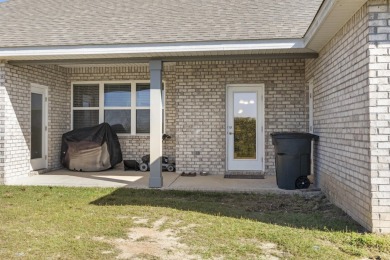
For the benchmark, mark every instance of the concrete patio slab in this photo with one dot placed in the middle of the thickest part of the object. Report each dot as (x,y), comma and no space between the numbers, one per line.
(117,178)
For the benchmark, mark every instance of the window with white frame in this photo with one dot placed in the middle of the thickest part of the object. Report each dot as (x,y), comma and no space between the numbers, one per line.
(123,105)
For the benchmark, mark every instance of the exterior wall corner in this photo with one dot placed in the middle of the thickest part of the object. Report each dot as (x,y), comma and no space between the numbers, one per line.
(342,155)
(379,112)
(2,120)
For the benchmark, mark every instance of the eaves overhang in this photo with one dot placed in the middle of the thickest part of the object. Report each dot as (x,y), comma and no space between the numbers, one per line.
(168,51)
(330,18)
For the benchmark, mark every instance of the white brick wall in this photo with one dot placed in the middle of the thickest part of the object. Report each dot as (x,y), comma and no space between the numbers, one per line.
(352,107)
(195,106)
(379,111)
(341,96)
(2,120)
(16,95)
(201,107)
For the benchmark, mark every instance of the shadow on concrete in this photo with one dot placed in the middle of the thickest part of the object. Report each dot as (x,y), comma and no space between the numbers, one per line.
(295,211)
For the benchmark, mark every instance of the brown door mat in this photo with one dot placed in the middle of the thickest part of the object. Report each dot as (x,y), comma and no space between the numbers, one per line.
(244,176)
(188,174)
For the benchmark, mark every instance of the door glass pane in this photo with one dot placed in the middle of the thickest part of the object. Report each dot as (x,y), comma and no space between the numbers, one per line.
(119,120)
(85,118)
(36,125)
(117,95)
(245,116)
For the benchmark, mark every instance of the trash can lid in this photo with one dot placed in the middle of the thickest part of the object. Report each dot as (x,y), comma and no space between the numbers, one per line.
(294,135)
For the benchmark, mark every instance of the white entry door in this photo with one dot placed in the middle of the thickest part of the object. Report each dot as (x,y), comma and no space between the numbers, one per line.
(245,126)
(38,148)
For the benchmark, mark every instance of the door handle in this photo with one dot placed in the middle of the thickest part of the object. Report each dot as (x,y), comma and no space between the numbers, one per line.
(231,133)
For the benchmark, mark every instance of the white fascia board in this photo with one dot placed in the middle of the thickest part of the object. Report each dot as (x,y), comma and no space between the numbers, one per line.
(189,47)
(331,17)
(319,20)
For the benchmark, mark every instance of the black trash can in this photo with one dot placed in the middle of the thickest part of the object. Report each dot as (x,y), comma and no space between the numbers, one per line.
(292,159)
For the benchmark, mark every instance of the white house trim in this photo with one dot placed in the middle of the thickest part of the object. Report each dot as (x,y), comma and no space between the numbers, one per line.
(260,117)
(331,17)
(42,163)
(171,49)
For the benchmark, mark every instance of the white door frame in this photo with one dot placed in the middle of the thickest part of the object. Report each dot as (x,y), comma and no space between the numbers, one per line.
(311,121)
(311,106)
(260,126)
(41,163)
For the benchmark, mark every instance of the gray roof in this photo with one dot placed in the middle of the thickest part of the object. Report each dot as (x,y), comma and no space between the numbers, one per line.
(26,23)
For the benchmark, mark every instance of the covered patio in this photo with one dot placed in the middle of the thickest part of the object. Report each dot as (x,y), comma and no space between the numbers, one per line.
(192,92)
(117,178)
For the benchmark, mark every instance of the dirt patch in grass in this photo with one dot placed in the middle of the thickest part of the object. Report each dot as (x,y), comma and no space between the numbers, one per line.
(269,251)
(151,243)
(284,203)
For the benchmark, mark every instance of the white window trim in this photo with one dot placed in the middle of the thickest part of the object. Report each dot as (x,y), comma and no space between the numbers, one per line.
(101,107)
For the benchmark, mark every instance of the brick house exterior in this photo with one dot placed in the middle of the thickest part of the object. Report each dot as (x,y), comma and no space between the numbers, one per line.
(348,69)
(351,114)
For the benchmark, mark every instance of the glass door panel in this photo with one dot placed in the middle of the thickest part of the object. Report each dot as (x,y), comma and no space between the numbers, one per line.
(38,147)
(36,125)
(245,121)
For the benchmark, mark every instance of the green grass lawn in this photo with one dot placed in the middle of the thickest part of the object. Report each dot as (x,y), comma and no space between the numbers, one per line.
(92,223)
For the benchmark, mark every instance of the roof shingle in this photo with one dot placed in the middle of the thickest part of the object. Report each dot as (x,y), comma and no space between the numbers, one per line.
(26,23)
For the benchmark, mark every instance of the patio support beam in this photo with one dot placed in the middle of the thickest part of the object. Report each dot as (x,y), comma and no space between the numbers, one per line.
(155,178)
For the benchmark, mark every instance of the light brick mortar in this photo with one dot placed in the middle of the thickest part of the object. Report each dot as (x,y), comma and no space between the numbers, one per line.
(201,107)
(195,103)
(342,156)
(379,105)
(2,120)
(17,103)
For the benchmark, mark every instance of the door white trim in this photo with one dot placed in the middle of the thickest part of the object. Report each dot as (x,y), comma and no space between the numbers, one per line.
(311,106)
(311,121)
(259,88)
(41,163)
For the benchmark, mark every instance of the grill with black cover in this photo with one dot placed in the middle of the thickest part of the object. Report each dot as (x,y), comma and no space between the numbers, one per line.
(88,149)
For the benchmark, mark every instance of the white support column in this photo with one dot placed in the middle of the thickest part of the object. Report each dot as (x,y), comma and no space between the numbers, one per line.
(155,178)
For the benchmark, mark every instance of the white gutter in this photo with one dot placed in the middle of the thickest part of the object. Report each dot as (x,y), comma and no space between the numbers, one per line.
(162,48)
